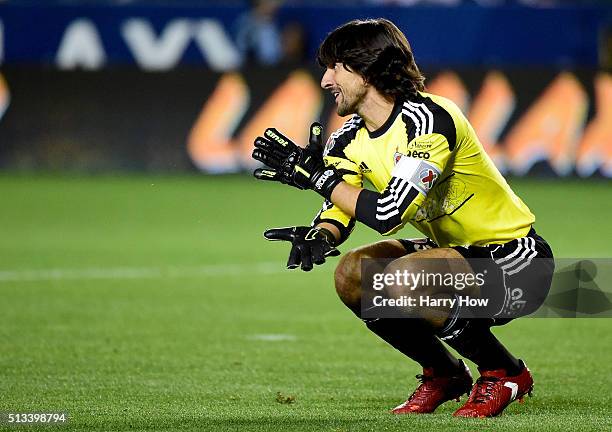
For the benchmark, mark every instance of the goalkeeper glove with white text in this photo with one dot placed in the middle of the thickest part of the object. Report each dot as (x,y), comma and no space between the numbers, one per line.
(308,245)
(303,168)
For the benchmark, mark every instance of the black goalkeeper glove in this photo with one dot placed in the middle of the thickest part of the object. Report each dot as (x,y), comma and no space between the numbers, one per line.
(308,245)
(290,164)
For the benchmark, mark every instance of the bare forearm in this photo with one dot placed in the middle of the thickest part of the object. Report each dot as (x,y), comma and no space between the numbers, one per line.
(366,206)
(345,197)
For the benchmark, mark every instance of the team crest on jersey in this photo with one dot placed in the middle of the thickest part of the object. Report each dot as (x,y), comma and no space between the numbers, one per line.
(397,157)
(444,199)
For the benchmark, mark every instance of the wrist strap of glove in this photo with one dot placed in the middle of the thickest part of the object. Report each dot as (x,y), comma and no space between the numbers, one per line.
(324,181)
(329,236)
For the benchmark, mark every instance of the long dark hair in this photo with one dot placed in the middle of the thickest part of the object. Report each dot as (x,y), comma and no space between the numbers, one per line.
(378,51)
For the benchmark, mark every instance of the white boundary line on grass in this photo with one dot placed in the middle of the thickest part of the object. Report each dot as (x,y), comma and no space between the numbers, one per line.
(272,337)
(33,275)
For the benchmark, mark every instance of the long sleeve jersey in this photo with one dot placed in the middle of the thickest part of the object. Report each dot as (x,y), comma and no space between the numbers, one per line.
(429,170)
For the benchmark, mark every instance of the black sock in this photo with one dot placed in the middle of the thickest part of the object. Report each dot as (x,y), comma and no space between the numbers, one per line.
(415,339)
(477,343)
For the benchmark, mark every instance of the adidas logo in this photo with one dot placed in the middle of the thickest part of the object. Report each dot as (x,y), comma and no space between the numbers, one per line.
(364,168)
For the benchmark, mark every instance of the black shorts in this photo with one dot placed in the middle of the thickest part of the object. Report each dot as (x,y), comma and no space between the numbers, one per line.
(519,274)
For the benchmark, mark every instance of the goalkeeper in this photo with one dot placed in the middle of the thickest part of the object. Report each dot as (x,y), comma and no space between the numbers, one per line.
(429,170)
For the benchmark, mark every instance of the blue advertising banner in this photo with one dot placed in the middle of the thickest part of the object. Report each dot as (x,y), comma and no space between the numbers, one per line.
(163,37)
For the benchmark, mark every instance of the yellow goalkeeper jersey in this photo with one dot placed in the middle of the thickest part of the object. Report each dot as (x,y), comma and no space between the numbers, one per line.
(429,170)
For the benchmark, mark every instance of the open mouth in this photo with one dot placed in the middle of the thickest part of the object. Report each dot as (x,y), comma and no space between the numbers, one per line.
(336,94)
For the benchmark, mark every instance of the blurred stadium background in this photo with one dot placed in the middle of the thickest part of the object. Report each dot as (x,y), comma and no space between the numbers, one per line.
(136,291)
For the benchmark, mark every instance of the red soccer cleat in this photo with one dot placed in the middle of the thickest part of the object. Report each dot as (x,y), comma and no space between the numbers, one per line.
(435,390)
(494,391)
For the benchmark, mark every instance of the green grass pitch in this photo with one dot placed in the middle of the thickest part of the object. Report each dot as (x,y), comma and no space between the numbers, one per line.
(153,303)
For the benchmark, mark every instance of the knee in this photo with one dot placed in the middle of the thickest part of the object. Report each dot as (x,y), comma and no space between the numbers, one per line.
(403,282)
(347,278)
(409,280)
(415,275)
(428,300)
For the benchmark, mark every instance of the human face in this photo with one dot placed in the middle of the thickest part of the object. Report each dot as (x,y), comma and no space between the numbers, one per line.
(347,87)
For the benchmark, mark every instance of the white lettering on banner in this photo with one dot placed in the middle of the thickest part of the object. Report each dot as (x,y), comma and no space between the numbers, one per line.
(81,47)
(157,53)
(216,46)
(165,51)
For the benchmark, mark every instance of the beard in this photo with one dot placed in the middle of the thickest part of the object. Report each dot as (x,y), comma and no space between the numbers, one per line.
(350,103)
